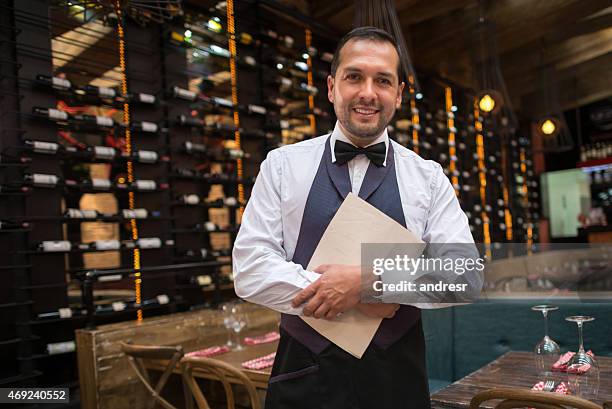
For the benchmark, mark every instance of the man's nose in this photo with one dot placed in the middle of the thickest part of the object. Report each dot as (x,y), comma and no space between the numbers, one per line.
(367,91)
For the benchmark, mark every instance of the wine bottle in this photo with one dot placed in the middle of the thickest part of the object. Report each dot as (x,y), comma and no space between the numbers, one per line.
(144,185)
(53,246)
(256,109)
(102,152)
(10,189)
(142,98)
(51,113)
(144,156)
(102,92)
(19,160)
(202,280)
(190,121)
(98,120)
(149,243)
(93,184)
(41,180)
(54,82)
(72,213)
(7,225)
(61,347)
(144,126)
(191,199)
(185,94)
(191,147)
(47,148)
(62,313)
(134,213)
(105,245)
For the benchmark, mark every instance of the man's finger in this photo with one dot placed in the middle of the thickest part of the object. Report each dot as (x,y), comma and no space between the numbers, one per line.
(322,268)
(305,294)
(314,303)
(322,311)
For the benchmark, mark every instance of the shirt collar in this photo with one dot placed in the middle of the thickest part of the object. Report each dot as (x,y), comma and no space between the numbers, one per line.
(338,135)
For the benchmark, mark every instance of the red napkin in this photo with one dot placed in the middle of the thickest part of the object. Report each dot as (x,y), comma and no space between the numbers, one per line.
(262,339)
(561,364)
(208,352)
(262,362)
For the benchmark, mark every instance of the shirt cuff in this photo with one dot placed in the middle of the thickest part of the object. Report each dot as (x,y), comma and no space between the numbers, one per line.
(310,277)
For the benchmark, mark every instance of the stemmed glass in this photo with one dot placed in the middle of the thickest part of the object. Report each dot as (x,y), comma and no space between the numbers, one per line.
(238,324)
(546,351)
(583,371)
(228,322)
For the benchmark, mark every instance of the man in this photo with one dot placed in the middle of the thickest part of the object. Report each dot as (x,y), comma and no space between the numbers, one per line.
(297,192)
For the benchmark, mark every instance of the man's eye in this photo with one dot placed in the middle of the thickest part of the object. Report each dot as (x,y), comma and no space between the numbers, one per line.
(352,77)
(384,81)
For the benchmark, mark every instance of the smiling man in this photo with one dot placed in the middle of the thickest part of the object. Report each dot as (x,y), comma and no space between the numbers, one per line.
(299,189)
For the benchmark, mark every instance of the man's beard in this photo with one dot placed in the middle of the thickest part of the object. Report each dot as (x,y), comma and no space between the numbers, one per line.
(368,131)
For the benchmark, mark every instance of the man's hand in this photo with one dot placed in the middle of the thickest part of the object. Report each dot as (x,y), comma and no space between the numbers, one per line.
(378,310)
(337,290)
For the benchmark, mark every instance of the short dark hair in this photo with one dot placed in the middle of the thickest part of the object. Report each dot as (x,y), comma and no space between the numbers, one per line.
(366,33)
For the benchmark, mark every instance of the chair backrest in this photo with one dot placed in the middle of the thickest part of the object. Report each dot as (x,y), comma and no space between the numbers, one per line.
(519,398)
(220,370)
(137,354)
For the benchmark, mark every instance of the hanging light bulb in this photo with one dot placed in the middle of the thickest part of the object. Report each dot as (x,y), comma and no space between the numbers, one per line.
(486,103)
(548,127)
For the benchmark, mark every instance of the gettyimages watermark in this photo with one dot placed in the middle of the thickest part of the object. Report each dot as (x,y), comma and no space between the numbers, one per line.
(456,273)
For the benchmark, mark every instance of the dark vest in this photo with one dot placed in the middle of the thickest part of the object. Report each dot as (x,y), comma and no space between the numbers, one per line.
(329,188)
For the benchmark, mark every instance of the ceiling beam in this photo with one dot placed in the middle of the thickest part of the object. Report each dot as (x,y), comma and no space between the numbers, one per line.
(583,84)
(514,32)
(324,9)
(419,11)
(564,59)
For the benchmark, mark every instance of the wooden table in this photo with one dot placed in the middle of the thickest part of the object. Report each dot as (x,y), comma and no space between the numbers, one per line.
(235,358)
(108,381)
(511,370)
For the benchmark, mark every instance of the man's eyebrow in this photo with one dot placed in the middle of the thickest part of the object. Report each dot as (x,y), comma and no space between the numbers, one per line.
(386,74)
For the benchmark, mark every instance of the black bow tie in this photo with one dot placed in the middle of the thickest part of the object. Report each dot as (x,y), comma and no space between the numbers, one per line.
(345,152)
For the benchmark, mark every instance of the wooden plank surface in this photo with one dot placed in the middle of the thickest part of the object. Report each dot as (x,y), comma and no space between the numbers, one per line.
(511,370)
(235,358)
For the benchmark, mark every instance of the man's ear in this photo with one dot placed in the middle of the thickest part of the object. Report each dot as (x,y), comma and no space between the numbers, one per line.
(398,99)
(330,88)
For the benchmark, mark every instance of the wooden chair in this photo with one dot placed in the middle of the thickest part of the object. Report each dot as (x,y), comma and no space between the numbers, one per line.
(518,398)
(221,371)
(137,354)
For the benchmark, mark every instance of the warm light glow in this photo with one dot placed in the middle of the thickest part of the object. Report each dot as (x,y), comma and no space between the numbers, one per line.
(548,127)
(486,103)
(214,24)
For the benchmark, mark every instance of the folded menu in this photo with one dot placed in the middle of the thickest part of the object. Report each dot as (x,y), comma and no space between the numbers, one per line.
(355,222)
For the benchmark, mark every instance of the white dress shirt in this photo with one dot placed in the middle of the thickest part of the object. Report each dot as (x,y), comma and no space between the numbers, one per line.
(264,247)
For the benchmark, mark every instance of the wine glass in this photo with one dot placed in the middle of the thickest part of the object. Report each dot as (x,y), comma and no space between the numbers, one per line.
(228,323)
(546,351)
(582,369)
(238,323)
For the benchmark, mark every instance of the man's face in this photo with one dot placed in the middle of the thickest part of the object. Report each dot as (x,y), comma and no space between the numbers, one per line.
(365,90)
